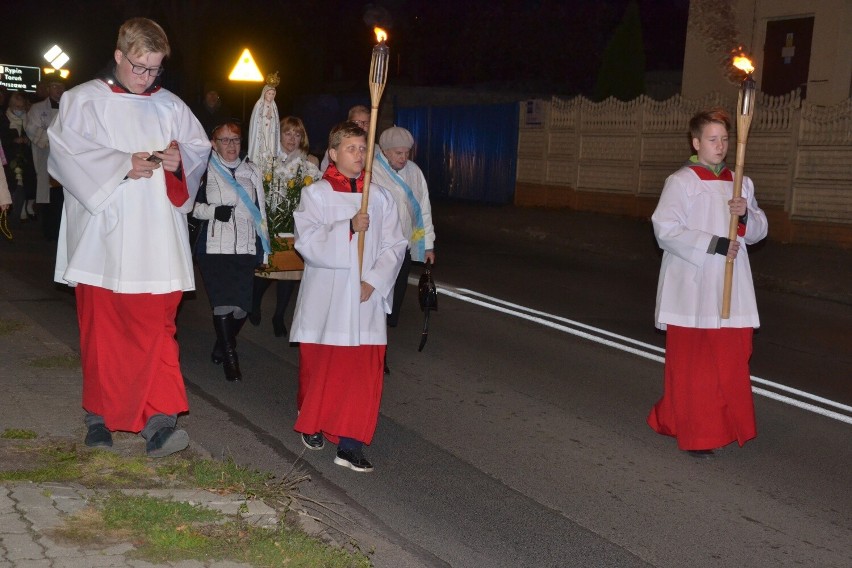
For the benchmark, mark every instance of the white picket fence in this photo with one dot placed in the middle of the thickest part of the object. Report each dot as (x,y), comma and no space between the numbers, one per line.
(799,155)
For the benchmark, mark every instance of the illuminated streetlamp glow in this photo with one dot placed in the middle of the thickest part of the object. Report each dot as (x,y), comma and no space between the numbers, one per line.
(52,53)
(50,71)
(246,69)
(56,57)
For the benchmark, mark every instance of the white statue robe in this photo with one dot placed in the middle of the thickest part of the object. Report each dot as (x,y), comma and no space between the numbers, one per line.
(329,310)
(117,233)
(264,132)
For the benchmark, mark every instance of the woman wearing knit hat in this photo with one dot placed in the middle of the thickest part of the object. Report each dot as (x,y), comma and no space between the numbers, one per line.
(394,170)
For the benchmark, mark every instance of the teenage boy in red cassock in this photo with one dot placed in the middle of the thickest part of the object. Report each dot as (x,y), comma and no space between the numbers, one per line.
(707,401)
(129,155)
(340,314)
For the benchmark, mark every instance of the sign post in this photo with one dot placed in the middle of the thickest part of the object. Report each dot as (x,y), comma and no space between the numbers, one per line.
(19,77)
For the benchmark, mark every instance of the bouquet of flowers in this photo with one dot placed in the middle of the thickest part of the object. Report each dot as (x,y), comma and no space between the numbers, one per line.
(283,191)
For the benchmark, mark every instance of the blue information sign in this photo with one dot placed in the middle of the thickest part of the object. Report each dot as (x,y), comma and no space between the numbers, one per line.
(19,77)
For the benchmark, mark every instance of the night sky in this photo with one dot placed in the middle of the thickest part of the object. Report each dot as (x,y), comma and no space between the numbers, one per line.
(544,47)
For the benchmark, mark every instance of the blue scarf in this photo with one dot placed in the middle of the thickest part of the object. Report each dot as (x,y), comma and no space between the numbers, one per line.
(418,232)
(259,221)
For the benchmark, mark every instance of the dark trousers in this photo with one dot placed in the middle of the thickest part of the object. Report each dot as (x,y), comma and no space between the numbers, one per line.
(399,288)
(51,214)
(19,198)
(283,291)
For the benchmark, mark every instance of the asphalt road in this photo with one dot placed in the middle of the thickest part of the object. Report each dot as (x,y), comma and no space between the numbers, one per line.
(521,441)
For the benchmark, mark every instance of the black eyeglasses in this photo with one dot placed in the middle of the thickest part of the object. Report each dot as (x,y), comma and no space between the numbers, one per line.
(141,69)
(227,141)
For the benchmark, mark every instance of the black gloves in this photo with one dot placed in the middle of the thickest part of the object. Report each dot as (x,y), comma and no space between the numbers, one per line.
(223,213)
(722,245)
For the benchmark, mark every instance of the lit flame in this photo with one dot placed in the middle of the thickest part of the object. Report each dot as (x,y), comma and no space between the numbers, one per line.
(743,63)
(381,35)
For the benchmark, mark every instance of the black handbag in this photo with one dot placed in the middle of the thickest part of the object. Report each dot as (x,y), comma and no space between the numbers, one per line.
(427,294)
(197,228)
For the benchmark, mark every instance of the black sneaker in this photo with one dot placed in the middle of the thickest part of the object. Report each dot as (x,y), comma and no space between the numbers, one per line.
(313,441)
(166,441)
(98,436)
(701,454)
(353,459)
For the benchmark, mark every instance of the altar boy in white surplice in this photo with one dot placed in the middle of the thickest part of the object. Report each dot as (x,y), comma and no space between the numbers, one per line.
(339,321)
(129,155)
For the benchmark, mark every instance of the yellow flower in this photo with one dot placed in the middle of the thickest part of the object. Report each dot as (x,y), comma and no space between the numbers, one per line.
(268,177)
(291,184)
(309,180)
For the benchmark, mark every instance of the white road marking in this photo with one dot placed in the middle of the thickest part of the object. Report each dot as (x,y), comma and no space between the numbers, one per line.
(633,346)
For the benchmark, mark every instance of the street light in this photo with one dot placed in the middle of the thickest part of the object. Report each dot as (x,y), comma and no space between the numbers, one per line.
(246,71)
(50,71)
(56,57)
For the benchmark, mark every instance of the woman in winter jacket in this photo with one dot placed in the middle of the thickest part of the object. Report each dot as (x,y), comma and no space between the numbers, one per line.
(233,242)
(20,172)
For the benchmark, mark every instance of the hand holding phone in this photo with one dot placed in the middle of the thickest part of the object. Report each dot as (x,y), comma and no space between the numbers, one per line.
(168,158)
(155,159)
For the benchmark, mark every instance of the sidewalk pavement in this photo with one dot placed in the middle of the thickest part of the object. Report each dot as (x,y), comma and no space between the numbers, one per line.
(41,394)
(45,399)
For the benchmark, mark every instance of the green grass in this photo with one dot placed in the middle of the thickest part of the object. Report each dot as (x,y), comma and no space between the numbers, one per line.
(8,327)
(66,462)
(69,361)
(166,531)
(17,434)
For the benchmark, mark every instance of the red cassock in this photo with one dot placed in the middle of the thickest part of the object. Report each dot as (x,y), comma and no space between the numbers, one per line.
(130,357)
(340,389)
(708,401)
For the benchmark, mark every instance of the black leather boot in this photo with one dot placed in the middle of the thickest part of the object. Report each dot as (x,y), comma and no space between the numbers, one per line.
(283,291)
(238,325)
(224,326)
(259,286)
(216,355)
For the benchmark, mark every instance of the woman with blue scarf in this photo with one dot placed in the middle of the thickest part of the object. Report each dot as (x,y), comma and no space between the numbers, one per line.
(394,170)
(234,242)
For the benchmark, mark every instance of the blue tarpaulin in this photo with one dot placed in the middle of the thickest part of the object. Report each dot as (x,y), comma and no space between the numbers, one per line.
(467,153)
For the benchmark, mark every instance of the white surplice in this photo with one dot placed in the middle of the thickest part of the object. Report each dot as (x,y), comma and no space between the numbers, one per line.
(329,310)
(691,211)
(117,233)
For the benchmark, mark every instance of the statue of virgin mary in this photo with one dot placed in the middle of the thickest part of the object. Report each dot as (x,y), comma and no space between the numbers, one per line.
(264,137)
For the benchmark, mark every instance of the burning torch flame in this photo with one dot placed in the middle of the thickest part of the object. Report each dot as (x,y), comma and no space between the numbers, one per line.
(381,35)
(744,64)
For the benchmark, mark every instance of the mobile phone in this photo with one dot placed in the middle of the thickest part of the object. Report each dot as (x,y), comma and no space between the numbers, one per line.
(155,159)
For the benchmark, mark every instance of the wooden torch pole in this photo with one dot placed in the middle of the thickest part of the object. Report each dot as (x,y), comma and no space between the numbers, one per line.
(743,125)
(378,79)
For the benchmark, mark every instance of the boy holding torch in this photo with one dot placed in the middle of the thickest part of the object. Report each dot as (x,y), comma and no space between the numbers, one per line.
(340,314)
(707,402)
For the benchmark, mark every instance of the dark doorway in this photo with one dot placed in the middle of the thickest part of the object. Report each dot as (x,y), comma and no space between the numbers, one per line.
(787,55)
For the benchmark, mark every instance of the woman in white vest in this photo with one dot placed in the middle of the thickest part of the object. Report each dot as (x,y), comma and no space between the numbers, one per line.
(234,241)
